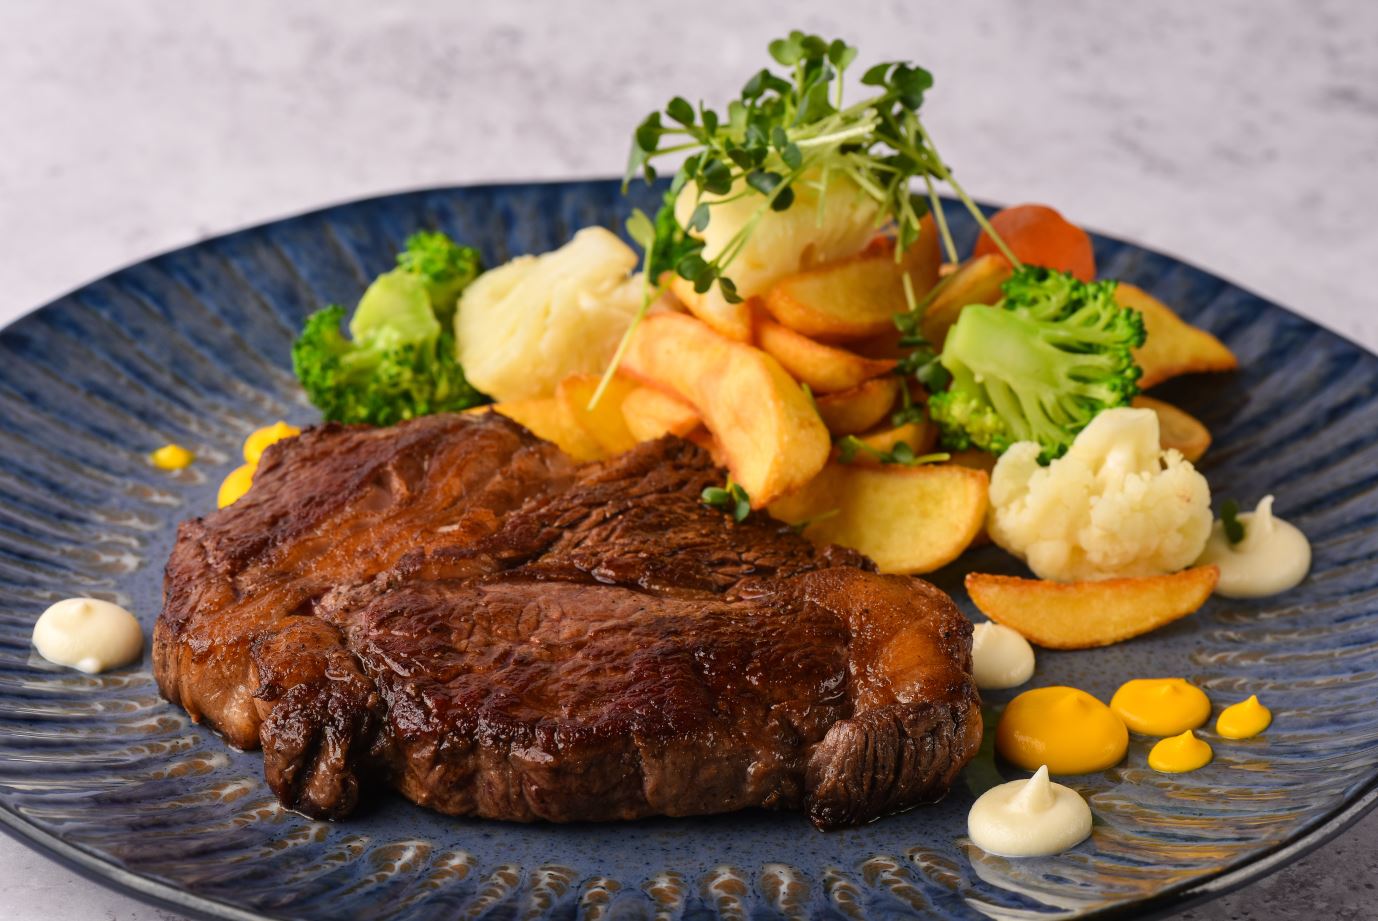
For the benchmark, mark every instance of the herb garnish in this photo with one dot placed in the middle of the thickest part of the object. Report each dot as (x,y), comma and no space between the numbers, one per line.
(731,498)
(1229,520)
(784,129)
(901,453)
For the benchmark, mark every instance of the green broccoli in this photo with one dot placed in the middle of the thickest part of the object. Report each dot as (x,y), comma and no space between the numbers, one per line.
(446,267)
(1039,365)
(399,361)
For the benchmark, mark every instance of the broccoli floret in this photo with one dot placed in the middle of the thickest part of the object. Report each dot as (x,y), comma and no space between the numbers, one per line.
(1039,365)
(400,363)
(445,266)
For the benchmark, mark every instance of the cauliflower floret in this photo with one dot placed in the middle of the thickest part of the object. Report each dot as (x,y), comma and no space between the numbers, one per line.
(526,325)
(784,242)
(1114,505)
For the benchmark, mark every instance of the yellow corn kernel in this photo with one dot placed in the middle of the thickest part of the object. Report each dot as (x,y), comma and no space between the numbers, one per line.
(260,439)
(171,457)
(235,485)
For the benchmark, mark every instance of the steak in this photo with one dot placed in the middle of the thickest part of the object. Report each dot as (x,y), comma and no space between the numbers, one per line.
(452,607)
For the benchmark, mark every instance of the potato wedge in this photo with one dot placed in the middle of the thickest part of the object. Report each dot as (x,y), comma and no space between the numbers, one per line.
(770,432)
(861,408)
(922,438)
(825,368)
(1178,428)
(547,418)
(974,458)
(1173,346)
(907,519)
(858,297)
(1084,615)
(604,422)
(650,413)
(724,318)
(976,281)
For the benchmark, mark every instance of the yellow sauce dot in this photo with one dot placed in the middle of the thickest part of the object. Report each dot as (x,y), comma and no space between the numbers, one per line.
(1244,720)
(1066,729)
(1161,706)
(171,457)
(259,440)
(1179,754)
(235,485)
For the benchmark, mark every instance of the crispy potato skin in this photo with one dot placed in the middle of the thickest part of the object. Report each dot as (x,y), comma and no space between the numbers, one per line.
(1173,347)
(1086,615)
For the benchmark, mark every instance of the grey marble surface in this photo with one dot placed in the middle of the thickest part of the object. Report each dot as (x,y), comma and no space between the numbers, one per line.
(1241,135)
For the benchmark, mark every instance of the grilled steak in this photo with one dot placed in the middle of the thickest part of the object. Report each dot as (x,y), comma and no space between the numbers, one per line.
(452,607)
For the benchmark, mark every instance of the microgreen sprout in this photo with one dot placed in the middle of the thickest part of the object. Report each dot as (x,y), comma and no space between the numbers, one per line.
(1229,520)
(730,498)
(901,453)
(785,129)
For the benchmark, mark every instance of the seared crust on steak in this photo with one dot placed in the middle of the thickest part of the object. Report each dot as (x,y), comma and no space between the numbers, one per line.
(451,607)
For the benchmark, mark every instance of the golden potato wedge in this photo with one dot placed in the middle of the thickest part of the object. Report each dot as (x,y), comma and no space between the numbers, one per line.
(1178,428)
(1173,346)
(547,418)
(726,319)
(825,368)
(907,519)
(604,422)
(858,297)
(974,458)
(770,432)
(922,438)
(1084,615)
(976,281)
(650,413)
(861,408)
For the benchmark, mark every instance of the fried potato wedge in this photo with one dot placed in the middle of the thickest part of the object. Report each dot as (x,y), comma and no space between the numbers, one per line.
(825,368)
(769,430)
(1173,346)
(604,423)
(976,281)
(650,413)
(547,418)
(907,519)
(1084,615)
(974,458)
(1178,428)
(855,298)
(860,409)
(922,438)
(725,318)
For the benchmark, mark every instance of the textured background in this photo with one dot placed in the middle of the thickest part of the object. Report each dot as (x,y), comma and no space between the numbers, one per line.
(1240,135)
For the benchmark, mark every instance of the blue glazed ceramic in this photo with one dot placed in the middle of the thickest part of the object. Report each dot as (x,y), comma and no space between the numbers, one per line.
(192,347)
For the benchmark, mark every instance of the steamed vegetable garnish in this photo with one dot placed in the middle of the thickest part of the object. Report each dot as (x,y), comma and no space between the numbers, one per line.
(730,498)
(1038,366)
(400,362)
(446,267)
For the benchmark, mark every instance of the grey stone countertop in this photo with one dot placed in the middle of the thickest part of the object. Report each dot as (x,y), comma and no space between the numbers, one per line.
(1241,135)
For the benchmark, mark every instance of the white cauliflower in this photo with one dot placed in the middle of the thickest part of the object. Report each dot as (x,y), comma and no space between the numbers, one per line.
(526,325)
(1114,505)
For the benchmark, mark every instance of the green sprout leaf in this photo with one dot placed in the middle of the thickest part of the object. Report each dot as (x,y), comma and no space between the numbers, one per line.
(1229,519)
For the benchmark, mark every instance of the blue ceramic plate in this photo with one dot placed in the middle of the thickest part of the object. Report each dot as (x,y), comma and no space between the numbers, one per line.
(192,347)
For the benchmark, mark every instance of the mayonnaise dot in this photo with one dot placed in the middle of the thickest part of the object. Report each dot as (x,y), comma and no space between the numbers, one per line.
(1273,556)
(1000,657)
(1244,720)
(1029,818)
(88,634)
(171,457)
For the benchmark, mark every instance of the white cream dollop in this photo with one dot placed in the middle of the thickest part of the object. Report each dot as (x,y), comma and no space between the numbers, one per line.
(1273,556)
(1000,657)
(1029,818)
(88,634)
